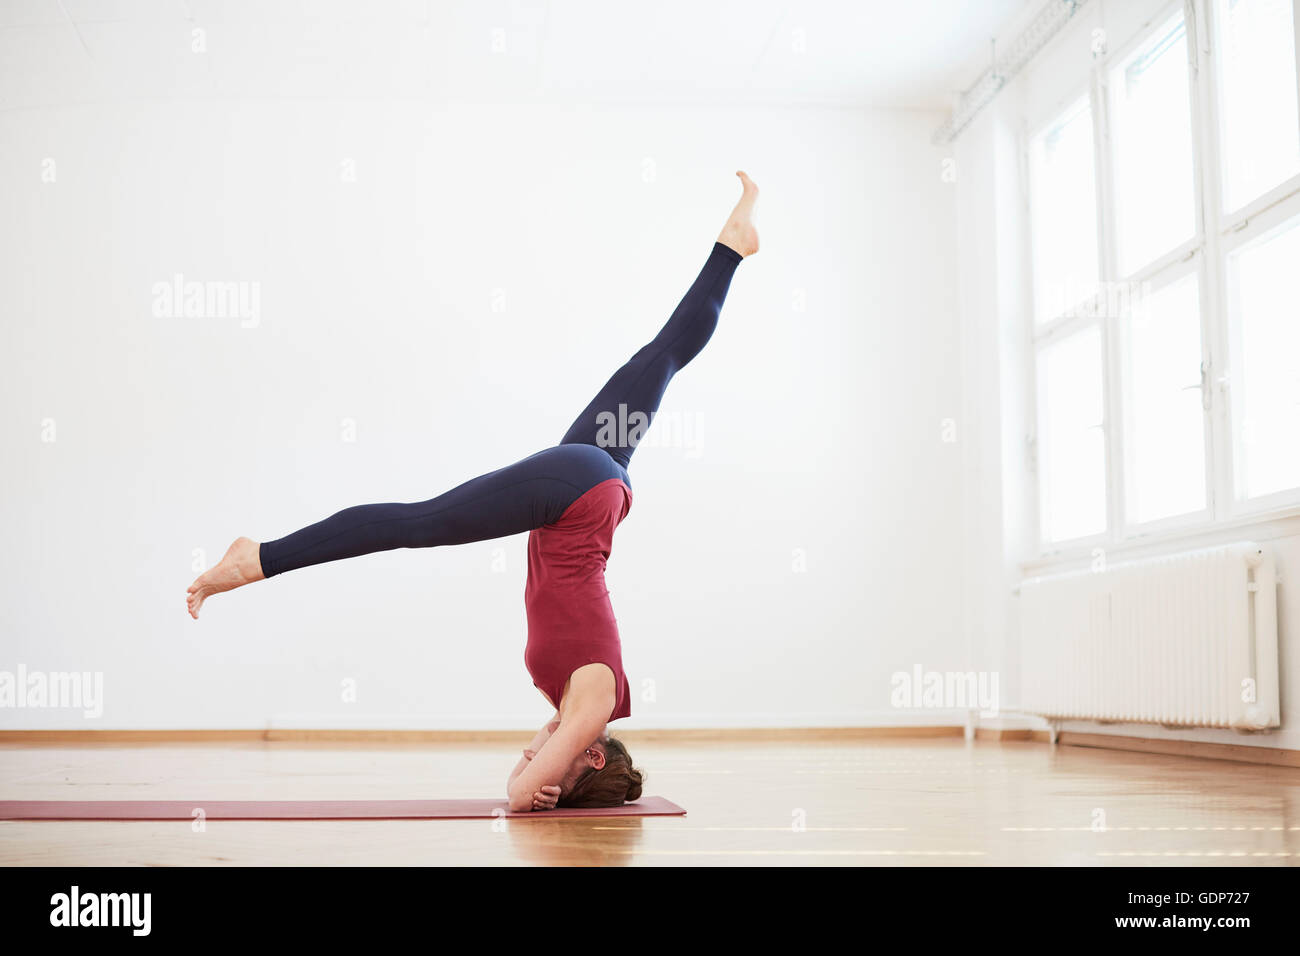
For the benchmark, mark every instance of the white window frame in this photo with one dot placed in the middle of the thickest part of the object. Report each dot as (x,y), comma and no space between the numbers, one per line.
(1217,234)
(1078,316)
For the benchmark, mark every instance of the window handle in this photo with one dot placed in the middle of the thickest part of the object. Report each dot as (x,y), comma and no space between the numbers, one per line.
(1205,392)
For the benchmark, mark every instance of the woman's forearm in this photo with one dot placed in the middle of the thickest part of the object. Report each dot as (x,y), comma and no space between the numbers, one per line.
(544,734)
(534,745)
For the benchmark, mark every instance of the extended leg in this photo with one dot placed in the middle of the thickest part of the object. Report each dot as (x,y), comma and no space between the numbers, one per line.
(617,418)
(510,500)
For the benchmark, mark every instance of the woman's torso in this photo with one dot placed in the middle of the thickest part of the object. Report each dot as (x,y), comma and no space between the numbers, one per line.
(571,621)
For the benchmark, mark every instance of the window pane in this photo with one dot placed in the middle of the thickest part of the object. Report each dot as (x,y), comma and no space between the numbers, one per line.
(1264,308)
(1151,112)
(1257,92)
(1071,441)
(1064,214)
(1165,437)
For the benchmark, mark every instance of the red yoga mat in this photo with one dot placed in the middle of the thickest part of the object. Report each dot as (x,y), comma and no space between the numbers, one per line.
(309,810)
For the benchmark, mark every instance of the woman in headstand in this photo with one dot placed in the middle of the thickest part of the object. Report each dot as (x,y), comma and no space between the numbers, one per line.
(569,498)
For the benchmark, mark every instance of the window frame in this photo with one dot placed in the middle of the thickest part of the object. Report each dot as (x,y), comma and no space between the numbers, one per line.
(1217,234)
(1175,271)
(1076,318)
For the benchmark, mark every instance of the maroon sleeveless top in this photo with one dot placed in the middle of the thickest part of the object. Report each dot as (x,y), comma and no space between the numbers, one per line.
(570,619)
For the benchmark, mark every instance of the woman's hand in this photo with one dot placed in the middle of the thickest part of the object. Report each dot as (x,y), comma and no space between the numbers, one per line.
(546,798)
(529,754)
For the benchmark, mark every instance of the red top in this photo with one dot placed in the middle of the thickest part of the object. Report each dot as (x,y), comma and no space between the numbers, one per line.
(570,619)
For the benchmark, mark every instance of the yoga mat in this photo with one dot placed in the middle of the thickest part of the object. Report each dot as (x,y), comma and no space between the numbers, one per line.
(309,810)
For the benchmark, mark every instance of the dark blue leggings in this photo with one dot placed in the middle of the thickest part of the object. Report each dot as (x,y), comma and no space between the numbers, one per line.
(538,489)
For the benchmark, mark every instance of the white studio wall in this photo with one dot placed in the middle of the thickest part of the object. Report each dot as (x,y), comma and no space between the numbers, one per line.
(431,291)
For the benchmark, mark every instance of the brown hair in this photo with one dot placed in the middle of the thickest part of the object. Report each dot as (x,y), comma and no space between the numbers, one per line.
(612,785)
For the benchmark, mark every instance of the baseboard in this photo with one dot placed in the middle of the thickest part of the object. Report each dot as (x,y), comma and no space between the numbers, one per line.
(701,735)
(85,737)
(1271,756)
(777,734)
(1009,733)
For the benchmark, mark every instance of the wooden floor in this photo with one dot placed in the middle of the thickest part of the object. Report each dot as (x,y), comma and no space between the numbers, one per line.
(902,802)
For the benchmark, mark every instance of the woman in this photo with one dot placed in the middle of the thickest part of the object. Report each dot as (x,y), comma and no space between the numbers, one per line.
(569,498)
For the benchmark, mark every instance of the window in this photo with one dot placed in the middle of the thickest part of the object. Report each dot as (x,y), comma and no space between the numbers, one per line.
(1151,138)
(1259,132)
(1072,450)
(1064,214)
(1071,403)
(1164,414)
(1165,261)
(1264,311)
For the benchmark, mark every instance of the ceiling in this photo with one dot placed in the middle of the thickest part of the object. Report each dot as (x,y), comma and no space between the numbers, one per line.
(907,54)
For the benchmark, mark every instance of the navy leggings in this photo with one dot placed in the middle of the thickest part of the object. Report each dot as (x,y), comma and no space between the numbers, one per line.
(538,489)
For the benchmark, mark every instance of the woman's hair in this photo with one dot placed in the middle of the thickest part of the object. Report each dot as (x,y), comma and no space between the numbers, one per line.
(610,786)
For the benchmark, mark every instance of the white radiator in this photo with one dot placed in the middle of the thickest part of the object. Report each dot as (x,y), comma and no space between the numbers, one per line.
(1187,639)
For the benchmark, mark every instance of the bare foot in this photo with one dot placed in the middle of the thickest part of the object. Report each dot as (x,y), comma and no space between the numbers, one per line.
(739,232)
(241,565)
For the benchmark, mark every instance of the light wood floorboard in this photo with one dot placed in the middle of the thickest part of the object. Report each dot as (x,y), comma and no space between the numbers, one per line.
(877,802)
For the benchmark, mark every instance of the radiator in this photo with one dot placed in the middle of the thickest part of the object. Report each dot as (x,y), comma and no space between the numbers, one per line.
(1184,640)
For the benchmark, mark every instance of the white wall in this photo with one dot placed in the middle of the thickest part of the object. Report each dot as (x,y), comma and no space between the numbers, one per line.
(819,401)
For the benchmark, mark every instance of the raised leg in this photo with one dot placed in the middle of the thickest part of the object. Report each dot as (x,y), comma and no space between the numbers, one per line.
(617,418)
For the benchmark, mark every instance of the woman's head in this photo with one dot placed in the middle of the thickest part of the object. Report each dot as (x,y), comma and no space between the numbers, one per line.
(604,777)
